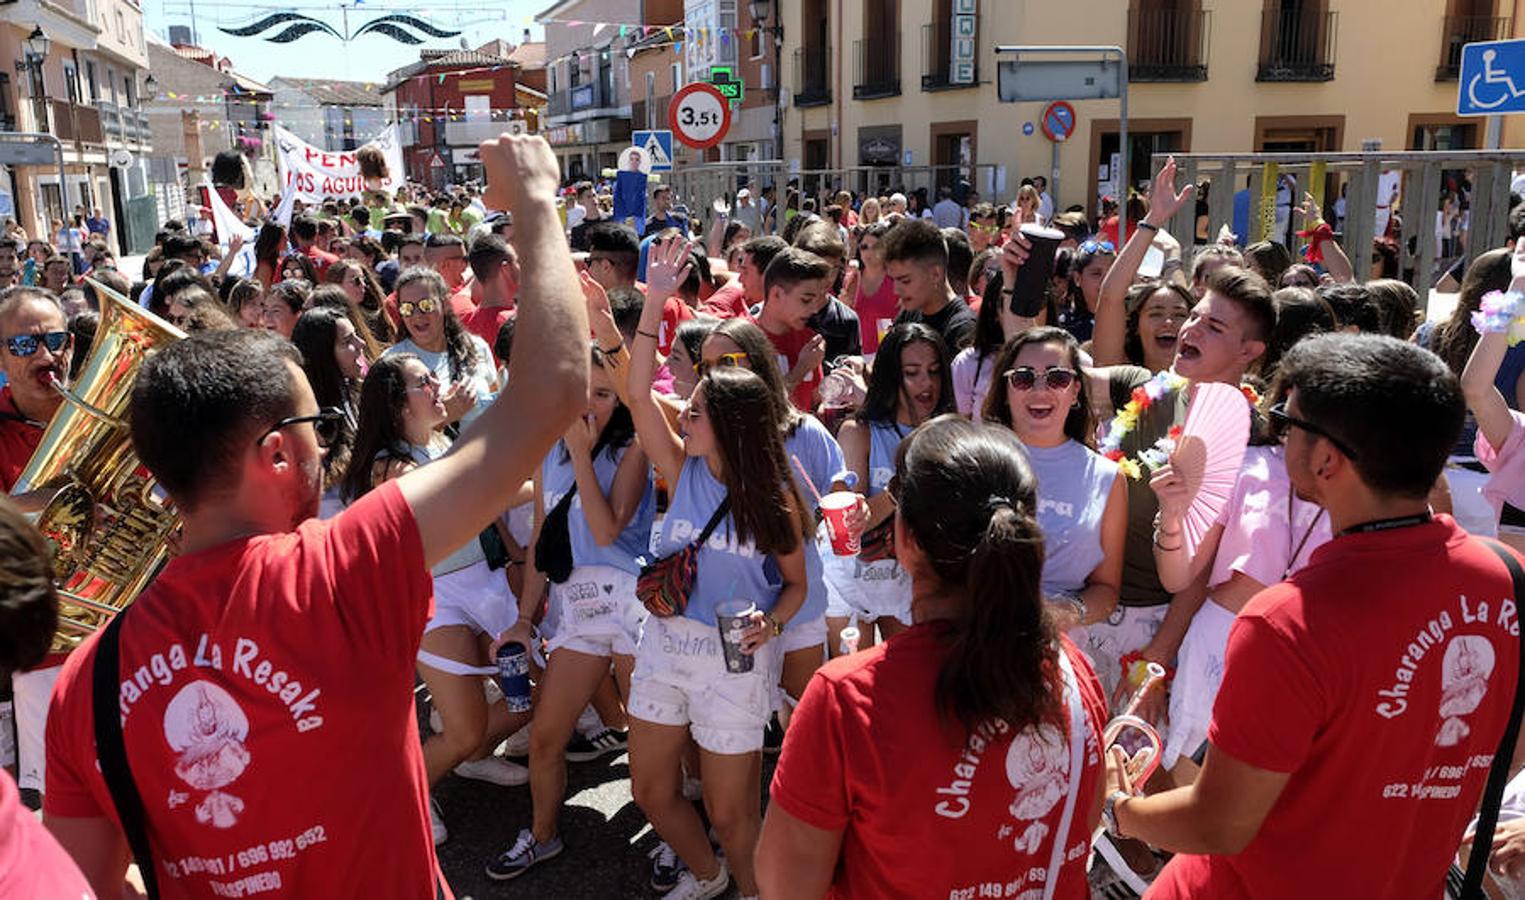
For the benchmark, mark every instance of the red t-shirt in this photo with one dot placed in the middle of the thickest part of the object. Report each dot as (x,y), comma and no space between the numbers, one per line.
(485,322)
(320,259)
(32,864)
(868,754)
(674,313)
(268,713)
(789,347)
(729,302)
(1381,677)
(872,309)
(19,437)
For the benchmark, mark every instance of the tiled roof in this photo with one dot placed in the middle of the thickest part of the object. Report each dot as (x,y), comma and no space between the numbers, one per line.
(333,93)
(434,59)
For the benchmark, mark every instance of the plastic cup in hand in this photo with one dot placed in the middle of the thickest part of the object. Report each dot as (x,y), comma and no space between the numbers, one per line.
(849,641)
(835,506)
(733,618)
(514,676)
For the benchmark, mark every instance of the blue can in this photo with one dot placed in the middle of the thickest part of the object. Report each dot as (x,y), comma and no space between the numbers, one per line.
(514,676)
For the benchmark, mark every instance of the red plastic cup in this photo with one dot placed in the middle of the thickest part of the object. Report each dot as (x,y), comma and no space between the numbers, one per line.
(835,507)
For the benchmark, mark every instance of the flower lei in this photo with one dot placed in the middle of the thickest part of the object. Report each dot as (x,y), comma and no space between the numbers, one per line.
(1501,313)
(1127,418)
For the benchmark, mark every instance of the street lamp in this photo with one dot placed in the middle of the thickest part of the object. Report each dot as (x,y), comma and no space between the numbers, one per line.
(35,50)
(761,11)
(38,44)
(151,87)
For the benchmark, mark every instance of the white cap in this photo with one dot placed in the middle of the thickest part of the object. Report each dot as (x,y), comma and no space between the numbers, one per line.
(743,194)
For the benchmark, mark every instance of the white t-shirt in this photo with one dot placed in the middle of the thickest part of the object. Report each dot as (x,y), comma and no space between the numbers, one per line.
(482,378)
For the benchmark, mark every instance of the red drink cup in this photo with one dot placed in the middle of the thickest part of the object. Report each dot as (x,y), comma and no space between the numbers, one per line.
(835,507)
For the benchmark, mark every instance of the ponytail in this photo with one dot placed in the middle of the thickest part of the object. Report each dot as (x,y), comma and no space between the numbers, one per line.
(1001,662)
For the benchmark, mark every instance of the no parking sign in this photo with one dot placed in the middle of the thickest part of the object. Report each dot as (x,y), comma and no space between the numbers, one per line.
(1058,121)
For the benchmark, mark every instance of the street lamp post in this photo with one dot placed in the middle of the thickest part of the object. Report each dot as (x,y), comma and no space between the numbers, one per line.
(761,11)
(35,51)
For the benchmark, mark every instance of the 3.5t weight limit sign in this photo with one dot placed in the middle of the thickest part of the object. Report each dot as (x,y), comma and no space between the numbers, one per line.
(699,115)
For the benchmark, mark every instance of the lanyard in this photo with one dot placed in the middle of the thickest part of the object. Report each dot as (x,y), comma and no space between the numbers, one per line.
(1388,524)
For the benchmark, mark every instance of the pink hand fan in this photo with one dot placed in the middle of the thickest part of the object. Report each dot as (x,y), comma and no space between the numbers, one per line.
(1209,454)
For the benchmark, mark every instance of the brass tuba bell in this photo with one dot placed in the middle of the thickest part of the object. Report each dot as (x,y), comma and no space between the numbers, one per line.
(108,527)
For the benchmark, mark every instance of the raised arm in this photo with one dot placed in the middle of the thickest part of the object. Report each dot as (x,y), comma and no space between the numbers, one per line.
(1111,315)
(1336,263)
(456,496)
(1487,404)
(666,267)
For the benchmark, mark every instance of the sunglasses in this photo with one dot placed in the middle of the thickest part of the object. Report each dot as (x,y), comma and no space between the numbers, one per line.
(1278,414)
(1098,247)
(725,360)
(983,228)
(422,307)
(1026,378)
(425,382)
(27,344)
(325,424)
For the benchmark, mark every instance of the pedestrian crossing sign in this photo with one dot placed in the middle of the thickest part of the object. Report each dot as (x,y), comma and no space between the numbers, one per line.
(658,147)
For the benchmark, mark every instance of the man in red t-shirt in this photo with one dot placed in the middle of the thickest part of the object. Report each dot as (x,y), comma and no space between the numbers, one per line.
(495,271)
(272,764)
(27,402)
(1364,698)
(756,254)
(304,230)
(796,285)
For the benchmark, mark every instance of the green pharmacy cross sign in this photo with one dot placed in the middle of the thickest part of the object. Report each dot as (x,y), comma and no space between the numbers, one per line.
(732,88)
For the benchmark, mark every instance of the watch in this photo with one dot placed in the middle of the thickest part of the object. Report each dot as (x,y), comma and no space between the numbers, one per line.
(777,628)
(1109,812)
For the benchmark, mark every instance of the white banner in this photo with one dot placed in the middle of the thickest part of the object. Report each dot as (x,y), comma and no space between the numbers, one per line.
(316,175)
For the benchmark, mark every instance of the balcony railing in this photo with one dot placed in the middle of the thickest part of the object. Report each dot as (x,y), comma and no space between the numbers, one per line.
(812,76)
(937,59)
(76,123)
(1296,45)
(878,68)
(579,98)
(1463,30)
(650,115)
(1168,44)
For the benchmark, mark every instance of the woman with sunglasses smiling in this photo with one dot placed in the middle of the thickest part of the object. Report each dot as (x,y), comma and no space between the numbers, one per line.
(726,464)
(1083,503)
(910,383)
(365,295)
(457,357)
(401,412)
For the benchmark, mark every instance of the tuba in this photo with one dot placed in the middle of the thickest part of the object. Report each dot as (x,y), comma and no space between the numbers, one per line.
(108,525)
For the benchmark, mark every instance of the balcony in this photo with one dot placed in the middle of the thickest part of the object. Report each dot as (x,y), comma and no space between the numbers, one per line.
(644,115)
(1296,45)
(878,68)
(1168,44)
(470,132)
(812,76)
(582,98)
(1462,30)
(937,59)
(76,123)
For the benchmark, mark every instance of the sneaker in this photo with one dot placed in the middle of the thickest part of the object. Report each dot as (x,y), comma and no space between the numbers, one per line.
(773,736)
(518,744)
(437,822)
(583,748)
(689,887)
(525,852)
(495,770)
(666,868)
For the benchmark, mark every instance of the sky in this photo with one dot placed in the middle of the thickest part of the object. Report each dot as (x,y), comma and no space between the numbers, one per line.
(368,57)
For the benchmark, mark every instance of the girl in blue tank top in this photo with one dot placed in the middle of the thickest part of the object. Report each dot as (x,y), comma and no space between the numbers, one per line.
(727,449)
(1040,393)
(910,383)
(598,618)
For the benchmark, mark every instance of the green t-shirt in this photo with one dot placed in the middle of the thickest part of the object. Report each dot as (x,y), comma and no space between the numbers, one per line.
(1141,583)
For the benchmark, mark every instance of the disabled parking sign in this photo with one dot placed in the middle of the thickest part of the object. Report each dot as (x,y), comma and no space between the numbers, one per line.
(1492,79)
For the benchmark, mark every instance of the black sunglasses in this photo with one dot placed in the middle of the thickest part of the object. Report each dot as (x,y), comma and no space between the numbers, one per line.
(1278,414)
(325,423)
(1026,378)
(27,344)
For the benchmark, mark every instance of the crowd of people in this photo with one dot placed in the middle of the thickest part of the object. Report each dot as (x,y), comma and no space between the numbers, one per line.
(895,489)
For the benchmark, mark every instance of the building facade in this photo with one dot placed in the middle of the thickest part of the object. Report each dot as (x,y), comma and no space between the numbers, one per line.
(876,85)
(334,115)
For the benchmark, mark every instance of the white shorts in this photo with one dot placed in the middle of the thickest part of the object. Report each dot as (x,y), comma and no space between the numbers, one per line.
(1129,628)
(1199,672)
(477,597)
(680,679)
(597,613)
(804,635)
(866,590)
(32,691)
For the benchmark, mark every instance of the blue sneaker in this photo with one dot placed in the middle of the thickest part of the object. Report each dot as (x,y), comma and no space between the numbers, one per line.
(525,852)
(666,868)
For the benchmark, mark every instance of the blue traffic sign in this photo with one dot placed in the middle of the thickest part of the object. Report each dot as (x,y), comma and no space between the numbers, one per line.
(1492,78)
(658,147)
(1058,121)
(1027,128)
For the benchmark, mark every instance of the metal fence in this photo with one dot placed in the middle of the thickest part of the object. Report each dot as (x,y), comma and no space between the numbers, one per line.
(1416,177)
(700,185)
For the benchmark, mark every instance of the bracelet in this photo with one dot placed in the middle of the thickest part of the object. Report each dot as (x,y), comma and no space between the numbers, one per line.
(1007,292)
(647,334)
(1165,548)
(1147,226)
(610,352)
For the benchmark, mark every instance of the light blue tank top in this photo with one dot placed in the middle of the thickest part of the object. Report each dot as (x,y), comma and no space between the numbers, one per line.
(468,554)
(728,570)
(557,477)
(883,445)
(822,458)
(1074,483)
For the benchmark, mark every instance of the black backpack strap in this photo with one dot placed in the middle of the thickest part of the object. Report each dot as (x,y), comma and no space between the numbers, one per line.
(1498,774)
(112,751)
(709,527)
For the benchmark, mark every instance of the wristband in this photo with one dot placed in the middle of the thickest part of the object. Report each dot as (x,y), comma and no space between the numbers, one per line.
(1148,226)
(611,351)
(647,334)
(1007,292)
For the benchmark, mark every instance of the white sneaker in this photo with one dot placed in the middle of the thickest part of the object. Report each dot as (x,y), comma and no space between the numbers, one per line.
(689,887)
(518,743)
(437,823)
(495,770)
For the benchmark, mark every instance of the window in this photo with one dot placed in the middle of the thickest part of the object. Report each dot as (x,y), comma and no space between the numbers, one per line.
(111,84)
(71,78)
(606,77)
(129,90)
(91,84)
(727,31)
(677,76)
(759,43)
